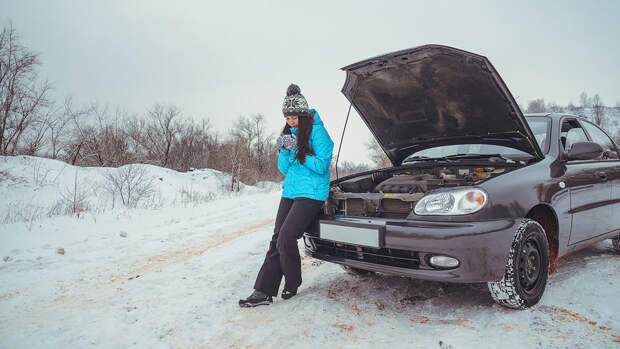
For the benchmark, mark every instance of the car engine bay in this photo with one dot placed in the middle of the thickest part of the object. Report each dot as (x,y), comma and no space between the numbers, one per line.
(394,193)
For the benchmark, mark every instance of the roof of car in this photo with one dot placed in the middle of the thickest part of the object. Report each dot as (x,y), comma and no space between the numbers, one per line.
(553,115)
(536,114)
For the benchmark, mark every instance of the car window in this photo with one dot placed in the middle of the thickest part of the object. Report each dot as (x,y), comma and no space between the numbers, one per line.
(571,134)
(598,136)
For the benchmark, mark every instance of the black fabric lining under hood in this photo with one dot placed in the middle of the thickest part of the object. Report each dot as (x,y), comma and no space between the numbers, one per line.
(431,95)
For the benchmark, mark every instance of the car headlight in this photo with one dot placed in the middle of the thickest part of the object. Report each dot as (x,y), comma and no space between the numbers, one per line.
(456,202)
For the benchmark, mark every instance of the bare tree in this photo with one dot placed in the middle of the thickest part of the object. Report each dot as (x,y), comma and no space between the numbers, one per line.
(536,106)
(59,126)
(598,108)
(234,151)
(193,146)
(100,138)
(584,100)
(376,154)
(33,137)
(256,148)
(553,107)
(157,133)
(261,143)
(22,97)
(347,167)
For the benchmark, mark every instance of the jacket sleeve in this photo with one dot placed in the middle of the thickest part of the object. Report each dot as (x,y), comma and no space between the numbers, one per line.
(283,161)
(323,148)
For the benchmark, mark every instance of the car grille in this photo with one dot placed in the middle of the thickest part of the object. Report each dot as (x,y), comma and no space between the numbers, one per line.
(384,256)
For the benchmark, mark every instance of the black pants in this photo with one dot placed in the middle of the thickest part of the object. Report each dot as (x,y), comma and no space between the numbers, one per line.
(294,217)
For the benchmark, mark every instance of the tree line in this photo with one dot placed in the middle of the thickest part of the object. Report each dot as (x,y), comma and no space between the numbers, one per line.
(590,107)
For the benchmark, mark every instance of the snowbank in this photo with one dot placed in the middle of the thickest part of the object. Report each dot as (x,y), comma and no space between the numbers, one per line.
(33,187)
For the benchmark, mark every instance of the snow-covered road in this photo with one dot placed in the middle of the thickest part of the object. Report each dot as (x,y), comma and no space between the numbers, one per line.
(175,278)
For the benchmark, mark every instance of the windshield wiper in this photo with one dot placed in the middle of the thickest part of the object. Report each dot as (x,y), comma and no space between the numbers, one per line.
(426,158)
(480,156)
(450,158)
(477,156)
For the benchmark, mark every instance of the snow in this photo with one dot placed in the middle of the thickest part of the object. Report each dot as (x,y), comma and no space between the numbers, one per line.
(170,275)
(33,187)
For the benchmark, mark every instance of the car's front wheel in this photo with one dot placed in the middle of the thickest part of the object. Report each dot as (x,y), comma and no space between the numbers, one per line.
(527,268)
(615,243)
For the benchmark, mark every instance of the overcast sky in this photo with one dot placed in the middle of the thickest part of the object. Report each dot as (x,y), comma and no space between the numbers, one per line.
(222,59)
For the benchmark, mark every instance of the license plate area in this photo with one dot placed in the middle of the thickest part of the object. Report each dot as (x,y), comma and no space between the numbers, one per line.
(370,235)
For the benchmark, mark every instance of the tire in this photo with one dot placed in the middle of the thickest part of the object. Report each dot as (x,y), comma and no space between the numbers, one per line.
(615,243)
(527,268)
(357,271)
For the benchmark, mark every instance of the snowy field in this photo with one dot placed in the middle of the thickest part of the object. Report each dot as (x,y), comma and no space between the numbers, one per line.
(168,274)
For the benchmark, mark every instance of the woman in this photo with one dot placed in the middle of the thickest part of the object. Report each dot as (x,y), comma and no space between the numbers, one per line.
(304,159)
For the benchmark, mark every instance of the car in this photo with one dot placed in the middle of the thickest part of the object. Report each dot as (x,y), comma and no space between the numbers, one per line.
(478,191)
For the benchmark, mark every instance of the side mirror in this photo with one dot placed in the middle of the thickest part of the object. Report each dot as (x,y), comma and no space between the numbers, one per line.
(585,151)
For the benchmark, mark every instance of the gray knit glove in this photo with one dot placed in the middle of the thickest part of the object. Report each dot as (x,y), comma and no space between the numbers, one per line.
(287,142)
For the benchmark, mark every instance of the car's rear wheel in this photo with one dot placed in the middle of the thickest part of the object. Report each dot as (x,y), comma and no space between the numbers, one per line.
(356,271)
(527,268)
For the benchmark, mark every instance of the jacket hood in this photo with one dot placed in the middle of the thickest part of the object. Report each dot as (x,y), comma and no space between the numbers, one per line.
(317,118)
(434,95)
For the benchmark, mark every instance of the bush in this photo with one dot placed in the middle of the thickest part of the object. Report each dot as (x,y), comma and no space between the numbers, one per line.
(131,184)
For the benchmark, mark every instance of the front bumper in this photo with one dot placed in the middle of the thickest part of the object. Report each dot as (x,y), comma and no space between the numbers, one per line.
(406,246)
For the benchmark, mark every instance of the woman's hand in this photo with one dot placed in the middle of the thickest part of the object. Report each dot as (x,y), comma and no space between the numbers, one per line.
(288,141)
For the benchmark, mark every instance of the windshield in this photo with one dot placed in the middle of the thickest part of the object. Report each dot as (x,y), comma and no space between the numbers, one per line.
(538,125)
(458,149)
(540,129)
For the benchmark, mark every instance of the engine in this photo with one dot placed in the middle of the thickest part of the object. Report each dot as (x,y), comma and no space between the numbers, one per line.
(393,194)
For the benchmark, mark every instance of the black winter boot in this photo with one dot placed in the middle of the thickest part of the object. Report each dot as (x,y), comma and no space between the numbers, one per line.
(256,298)
(286,294)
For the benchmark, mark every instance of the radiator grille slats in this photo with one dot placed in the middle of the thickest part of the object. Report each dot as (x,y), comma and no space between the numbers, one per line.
(383,256)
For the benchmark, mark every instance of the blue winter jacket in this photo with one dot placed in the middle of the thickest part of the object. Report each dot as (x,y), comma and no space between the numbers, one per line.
(310,180)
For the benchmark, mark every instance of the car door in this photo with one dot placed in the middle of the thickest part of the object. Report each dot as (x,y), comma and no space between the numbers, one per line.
(611,158)
(590,190)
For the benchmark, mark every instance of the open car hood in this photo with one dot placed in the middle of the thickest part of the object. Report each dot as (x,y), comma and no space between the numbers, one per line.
(434,95)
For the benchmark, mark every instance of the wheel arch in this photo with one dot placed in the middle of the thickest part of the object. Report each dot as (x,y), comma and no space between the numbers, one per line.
(545,216)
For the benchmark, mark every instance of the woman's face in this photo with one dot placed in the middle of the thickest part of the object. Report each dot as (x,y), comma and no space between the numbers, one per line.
(292,121)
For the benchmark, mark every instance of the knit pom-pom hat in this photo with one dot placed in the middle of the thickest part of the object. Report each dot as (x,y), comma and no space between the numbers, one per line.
(294,102)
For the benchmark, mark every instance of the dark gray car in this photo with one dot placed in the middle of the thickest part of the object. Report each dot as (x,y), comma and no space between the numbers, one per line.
(478,192)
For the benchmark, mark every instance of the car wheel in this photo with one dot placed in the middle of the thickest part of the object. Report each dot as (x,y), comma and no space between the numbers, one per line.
(615,243)
(527,268)
(356,271)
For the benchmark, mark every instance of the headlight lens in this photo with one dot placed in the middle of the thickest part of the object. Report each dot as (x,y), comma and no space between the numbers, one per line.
(457,202)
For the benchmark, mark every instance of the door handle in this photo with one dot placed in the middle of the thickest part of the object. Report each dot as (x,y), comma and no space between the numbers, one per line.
(602,175)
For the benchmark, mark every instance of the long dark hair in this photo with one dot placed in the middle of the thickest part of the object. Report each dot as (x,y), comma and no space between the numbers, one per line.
(304,129)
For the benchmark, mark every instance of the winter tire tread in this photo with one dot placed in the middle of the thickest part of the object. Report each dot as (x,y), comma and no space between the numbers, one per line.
(506,292)
(615,243)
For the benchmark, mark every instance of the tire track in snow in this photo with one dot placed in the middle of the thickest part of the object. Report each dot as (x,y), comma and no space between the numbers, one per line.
(196,248)
(148,264)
